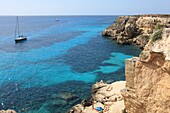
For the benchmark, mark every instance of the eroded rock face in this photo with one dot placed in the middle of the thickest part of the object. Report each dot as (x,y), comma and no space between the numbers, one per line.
(123,30)
(148,87)
(136,29)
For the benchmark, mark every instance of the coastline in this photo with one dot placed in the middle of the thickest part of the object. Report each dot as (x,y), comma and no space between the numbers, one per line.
(136,29)
(105,96)
(147,76)
(151,33)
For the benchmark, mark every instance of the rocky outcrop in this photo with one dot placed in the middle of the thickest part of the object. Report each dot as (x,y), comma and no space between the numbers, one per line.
(147,77)
(106,96)
(7,111)
(136,29)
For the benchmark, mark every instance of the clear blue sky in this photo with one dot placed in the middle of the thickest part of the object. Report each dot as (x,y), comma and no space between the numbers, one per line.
(83,7)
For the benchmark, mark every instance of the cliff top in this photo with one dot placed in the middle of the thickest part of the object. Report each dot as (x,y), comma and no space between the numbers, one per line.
(150,15)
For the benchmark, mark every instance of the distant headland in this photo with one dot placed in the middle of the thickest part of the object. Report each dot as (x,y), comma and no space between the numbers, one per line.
(136,29)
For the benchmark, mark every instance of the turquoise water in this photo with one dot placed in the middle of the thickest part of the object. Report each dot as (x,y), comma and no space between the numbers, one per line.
(56,67)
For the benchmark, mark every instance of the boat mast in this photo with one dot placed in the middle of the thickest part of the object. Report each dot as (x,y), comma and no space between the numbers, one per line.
(17,28)
(18,25)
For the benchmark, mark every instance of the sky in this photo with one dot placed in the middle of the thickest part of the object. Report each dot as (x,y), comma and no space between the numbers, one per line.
(84,7)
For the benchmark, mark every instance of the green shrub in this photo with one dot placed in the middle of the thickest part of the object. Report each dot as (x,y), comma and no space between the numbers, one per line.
(157,35)
(159,26)
(146,38)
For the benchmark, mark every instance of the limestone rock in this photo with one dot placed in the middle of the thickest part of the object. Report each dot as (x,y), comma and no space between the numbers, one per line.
(76,109)
(136,29)
(147,78)
(7,111)
(106,96)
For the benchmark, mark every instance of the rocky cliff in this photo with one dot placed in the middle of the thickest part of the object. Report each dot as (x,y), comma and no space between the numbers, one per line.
(136,29)
(147,87)
(148,77)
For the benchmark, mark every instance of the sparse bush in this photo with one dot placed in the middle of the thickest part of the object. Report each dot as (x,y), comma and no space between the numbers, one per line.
(157,35)
(146,37)
(159,26)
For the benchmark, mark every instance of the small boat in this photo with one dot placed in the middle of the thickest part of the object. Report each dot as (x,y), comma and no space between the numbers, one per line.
(56,19)
(18,37)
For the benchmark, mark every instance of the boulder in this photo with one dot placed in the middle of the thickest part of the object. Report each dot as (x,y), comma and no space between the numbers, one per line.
(7,111)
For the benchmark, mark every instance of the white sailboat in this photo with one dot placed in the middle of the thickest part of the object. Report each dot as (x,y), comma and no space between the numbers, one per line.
(18,37)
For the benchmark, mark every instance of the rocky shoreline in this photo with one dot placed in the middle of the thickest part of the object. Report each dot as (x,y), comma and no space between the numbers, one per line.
(105,96)
(7,111)
(136,29)
(147,87)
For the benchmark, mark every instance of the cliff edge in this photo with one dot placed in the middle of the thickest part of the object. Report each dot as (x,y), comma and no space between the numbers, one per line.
(136,29)
(147,77)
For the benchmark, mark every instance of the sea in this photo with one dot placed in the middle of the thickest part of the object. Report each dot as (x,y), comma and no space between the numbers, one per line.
(58,64)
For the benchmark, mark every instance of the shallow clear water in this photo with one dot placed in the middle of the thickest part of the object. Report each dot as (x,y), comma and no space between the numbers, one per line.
(56,67)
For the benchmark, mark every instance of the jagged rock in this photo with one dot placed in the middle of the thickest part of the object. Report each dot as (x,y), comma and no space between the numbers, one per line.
(136,29)
(103,95)
(76,109)
(86,102)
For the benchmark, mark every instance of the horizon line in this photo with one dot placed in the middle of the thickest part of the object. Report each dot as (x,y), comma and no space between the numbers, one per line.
(81,14)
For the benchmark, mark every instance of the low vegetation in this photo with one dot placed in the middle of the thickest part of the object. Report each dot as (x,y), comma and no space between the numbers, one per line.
(146,37)
(157,35)
(159,26)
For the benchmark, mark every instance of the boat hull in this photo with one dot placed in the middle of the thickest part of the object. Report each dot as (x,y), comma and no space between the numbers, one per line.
(20,39)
